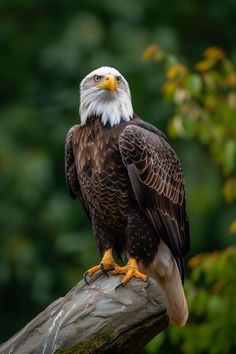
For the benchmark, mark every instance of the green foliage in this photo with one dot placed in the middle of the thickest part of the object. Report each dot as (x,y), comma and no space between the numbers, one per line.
(155,344)
(205,110)
(205,101)
(212,305)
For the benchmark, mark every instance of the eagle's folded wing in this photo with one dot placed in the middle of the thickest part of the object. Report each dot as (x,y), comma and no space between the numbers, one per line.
(70,169)
(157,180)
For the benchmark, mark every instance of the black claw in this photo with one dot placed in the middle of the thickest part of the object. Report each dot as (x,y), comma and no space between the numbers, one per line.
(148,284)
(105,271)
(85,278)
(119,286)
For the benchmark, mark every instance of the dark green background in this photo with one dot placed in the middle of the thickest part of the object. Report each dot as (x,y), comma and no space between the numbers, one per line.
(47,47)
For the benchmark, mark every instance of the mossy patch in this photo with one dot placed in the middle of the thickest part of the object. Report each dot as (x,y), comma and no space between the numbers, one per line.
(93,346)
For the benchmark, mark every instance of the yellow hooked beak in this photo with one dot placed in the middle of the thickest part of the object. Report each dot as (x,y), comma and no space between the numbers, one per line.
(108,83)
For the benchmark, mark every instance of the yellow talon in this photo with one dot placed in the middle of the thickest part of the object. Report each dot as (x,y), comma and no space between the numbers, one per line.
(130,271)
(107,264)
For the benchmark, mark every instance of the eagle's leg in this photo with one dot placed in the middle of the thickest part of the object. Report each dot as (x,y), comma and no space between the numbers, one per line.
(107,264)
(130,270)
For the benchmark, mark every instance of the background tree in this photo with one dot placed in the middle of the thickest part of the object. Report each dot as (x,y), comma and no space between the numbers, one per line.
(205,101)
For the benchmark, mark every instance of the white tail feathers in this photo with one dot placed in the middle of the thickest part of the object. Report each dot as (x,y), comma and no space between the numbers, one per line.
(165,271)
(176,303)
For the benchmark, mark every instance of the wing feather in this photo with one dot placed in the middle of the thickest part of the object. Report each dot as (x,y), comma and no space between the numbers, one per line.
(157,181)
(71,175)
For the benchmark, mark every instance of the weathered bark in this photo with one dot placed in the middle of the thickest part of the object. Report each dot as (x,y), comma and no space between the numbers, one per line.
(95,318)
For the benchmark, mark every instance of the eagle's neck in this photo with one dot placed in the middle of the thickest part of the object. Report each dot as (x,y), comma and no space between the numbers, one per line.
(112,110)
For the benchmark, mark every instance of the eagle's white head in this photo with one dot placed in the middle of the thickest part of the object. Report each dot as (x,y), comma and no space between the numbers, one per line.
(105,93)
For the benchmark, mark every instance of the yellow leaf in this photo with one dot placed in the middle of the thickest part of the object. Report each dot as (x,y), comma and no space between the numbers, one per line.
(230,80)
(229,189)
(176,70)
(232,227)
(169,87)
(205,65)
(214,53)
(150,51)
(194,261)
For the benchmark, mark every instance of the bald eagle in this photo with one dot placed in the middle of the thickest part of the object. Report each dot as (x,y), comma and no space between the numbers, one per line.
(130,183)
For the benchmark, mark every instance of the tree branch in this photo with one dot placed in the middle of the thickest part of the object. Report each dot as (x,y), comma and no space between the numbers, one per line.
(95,318)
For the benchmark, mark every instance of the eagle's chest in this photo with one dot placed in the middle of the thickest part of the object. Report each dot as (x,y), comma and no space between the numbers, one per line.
(103,176)
(99,152)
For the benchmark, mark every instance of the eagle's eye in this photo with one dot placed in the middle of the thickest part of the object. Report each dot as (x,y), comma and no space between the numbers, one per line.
(118,79)
(97,78)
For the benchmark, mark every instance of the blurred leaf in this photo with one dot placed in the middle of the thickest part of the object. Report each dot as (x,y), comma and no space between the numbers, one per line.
(229,156)
(214,53)
(190,127)
(229,189)
(177,71)
(195,261)
(176,127)
(194,84)
(205,65)
(232,227)
(150,52)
